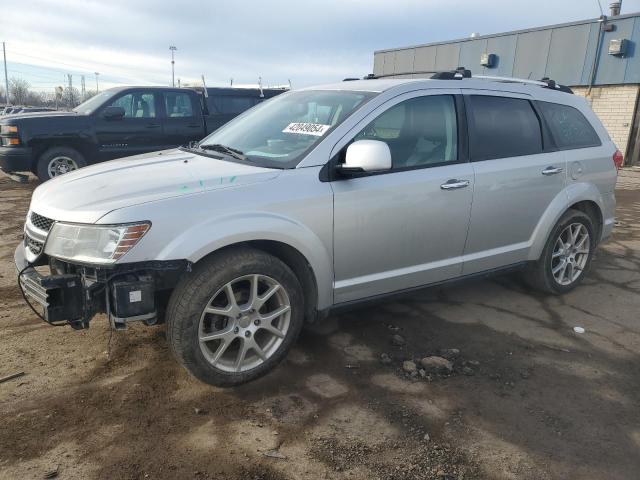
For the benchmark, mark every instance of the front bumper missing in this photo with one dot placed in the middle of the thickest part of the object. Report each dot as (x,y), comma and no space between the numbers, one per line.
(74,294)
(59,296)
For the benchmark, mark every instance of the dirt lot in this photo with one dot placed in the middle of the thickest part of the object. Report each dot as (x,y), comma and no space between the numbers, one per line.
(527,398)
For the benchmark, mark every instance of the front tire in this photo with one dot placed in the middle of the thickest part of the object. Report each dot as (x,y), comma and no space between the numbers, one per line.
(234,318)
(57,161)
(567,255)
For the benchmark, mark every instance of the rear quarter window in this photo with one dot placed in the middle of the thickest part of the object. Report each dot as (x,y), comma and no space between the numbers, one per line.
(569,127)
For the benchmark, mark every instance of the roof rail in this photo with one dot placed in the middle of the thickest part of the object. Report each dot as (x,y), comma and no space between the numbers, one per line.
(556,86)
(461,72)
(544,83)
(456,74)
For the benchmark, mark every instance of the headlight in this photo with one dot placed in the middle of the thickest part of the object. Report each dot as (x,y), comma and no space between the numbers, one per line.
(102,244)
(8,141)
(7,129)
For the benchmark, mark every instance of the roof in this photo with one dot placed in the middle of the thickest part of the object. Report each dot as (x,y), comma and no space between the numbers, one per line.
(566,52)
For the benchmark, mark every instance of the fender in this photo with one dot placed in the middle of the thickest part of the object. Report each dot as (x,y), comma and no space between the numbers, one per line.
(232,229)
(570,195)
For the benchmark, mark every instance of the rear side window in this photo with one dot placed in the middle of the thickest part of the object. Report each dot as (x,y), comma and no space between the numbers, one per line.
(570,129)
(178,105)
(232,104)
(503,127)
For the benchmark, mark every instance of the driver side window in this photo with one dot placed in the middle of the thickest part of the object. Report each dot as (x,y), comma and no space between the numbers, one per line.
(137,105)
(421,131)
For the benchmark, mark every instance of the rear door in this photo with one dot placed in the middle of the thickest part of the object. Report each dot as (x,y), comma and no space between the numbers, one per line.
(517,176)
(182,119)
(406,227)
(139,131)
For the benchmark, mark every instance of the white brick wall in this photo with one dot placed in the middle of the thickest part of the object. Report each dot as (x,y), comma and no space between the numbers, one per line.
(614,105)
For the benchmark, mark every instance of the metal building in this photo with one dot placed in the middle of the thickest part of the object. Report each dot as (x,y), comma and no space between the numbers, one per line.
(596,57)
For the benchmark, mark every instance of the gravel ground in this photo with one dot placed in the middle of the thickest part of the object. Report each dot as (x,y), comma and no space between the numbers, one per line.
(516,394)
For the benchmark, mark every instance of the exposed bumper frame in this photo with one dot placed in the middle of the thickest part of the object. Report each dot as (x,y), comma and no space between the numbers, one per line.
(77,294)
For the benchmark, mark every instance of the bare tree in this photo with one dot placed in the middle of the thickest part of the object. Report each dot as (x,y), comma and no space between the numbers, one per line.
(70,97)
(19,90)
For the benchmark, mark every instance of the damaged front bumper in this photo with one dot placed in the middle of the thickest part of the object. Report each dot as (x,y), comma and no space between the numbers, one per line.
(73,294)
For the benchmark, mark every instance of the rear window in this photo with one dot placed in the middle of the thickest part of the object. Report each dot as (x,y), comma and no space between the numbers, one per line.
(569,127)
(503,127)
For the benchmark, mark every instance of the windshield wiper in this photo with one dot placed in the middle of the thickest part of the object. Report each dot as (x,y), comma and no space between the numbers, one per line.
(232,152)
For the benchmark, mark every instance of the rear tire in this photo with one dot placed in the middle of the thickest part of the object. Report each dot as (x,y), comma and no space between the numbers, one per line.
(567,255)
(226,342)
(57,161)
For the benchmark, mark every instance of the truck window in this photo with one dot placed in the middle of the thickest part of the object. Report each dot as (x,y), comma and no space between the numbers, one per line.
(137,105)
(178,105)
(232,104)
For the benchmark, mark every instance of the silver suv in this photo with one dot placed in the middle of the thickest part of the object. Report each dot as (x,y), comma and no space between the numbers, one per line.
(322,198)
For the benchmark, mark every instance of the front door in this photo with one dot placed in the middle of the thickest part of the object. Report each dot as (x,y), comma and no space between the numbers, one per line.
(517,177)
(406,227)
(139,131)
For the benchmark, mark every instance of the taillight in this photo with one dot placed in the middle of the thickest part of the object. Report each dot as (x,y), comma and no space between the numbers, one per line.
(618,159)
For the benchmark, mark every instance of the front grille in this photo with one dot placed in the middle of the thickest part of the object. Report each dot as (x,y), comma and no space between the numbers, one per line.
(33,245)
(40,222)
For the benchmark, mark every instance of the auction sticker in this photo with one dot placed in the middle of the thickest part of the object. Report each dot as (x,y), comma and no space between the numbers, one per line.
(315,129)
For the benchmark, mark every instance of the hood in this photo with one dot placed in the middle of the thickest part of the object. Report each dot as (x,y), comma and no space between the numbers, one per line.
(38,115)
(86,195)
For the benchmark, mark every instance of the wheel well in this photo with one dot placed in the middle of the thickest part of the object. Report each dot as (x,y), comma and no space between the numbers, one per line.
(77,144)
(297,263)
(594,212)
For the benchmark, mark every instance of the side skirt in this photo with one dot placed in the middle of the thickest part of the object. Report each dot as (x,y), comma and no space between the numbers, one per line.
(368,301)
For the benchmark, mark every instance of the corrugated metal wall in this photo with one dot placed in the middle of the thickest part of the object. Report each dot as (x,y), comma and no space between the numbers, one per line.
(564,53)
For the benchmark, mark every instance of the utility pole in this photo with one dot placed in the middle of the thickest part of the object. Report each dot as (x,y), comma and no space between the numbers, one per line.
(173,73)
(84,90)
(97,88)
(6,78)
(71,99)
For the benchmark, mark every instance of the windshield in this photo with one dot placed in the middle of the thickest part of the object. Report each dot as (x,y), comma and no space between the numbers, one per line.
(88,107)
(279,132)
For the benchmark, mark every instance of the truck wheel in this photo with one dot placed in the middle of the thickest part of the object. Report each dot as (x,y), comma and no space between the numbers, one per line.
(57,161)
(234,317)
(567,255)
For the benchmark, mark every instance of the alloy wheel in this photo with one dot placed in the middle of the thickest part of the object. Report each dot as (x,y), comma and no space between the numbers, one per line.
(244,323)
(570,253)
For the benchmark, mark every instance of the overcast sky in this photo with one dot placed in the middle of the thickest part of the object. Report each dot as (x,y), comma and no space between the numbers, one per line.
(305,41)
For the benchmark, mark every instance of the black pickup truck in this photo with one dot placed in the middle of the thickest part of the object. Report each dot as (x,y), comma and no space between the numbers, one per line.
(116,123)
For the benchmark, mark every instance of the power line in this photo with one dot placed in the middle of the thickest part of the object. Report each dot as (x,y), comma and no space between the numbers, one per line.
(79,69)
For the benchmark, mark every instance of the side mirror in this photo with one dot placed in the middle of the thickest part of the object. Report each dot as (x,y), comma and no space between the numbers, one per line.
(366,156)
(113,113)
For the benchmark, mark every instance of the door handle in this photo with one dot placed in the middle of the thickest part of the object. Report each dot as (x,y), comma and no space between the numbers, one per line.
(552,170)
(194,125)
(454,184)
(152,125)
